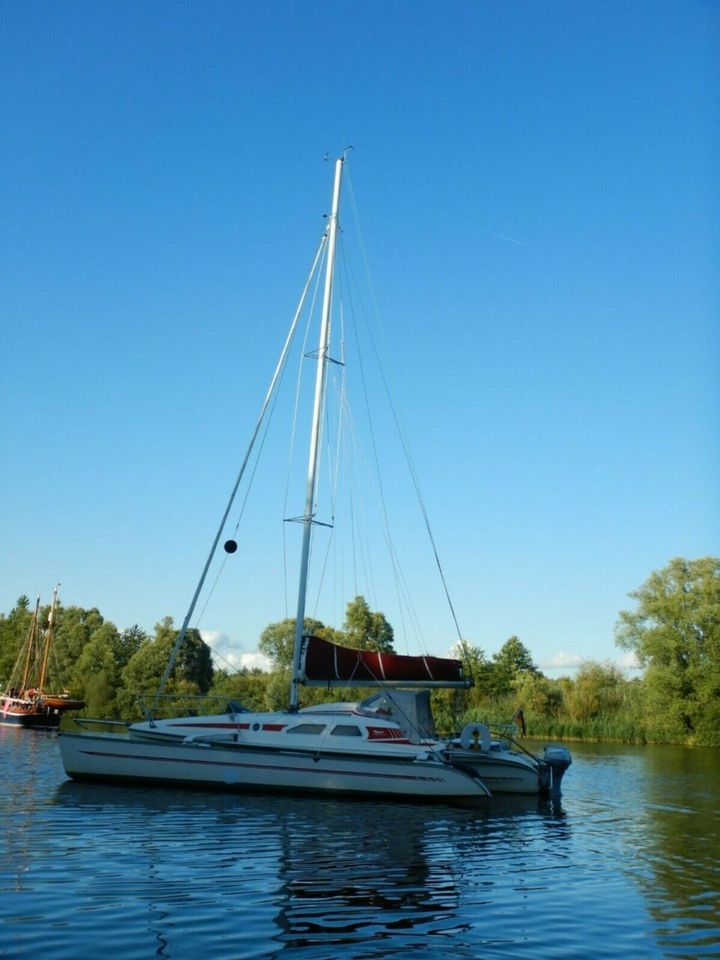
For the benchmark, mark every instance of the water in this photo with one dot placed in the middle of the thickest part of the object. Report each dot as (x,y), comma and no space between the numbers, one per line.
(626,867)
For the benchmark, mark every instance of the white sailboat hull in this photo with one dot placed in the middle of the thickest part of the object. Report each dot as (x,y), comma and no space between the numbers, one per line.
(505,773)
(504,770)
(237,767)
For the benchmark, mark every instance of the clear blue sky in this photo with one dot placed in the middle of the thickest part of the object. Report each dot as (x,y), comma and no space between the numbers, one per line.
(539,195)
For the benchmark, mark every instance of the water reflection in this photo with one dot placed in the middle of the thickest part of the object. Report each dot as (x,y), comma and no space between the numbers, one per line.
(23,751)
(343,873)
(660,807)
(353,878)
(682,829)
(627,861)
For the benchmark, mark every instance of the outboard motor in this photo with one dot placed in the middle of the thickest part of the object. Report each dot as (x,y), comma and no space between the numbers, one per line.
(556,760)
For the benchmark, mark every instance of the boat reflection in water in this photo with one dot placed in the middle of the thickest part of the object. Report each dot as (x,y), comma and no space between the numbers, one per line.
(627,862)
(303,873)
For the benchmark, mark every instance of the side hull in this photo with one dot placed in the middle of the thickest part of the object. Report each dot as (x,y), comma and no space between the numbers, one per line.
(114,757)
(502,774)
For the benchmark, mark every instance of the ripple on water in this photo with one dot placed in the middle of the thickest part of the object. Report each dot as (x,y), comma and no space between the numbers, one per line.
(181,874)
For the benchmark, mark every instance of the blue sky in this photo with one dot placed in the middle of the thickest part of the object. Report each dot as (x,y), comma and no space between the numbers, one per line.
(537,185)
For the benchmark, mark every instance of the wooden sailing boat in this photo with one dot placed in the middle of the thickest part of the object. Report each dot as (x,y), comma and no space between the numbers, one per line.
(26,702)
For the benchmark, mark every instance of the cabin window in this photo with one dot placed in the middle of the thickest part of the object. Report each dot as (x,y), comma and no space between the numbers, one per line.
(307,728)
(346,730)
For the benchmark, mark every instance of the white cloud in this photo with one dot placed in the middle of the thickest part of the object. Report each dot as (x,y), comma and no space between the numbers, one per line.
(562,661)
(255,659)
(628,661)
(226,655)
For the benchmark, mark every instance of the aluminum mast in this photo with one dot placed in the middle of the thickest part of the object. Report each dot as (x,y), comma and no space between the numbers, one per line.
(320,378)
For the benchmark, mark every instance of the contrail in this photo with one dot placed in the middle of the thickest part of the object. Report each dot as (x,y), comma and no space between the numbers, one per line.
(520,243)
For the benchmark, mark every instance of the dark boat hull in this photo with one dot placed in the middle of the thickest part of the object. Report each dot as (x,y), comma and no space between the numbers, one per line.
(41,712)
(42,718)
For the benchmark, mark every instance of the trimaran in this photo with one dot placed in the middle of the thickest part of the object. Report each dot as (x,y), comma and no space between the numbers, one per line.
(385,746)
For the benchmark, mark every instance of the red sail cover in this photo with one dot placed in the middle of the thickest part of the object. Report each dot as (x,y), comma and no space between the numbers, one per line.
(327,664)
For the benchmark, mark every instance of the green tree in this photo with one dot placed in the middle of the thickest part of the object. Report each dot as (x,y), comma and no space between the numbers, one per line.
(539,695)
(511,662)
(75,627)
(194,662)
(246,687)
(475,664)
(365,629)
(98,672)
(597,690)
(453,708)
(278,639)
(14,631)
(99,669)
(192,673)
(675,634)
(194,659)
(128,643)
(277,690)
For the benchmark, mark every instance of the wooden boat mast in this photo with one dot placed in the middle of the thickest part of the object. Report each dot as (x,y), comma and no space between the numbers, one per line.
(31,644)
(48,641)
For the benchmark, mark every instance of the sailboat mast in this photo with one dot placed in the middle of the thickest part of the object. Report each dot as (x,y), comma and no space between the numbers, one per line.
(320,378)
(48,640)
(31,647)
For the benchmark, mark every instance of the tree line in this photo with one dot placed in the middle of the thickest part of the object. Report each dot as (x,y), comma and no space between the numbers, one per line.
(673,630)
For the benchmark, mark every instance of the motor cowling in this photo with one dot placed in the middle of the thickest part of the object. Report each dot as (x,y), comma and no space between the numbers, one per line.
(556,759)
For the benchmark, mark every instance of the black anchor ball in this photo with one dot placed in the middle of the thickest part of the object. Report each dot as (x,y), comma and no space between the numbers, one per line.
(230,546)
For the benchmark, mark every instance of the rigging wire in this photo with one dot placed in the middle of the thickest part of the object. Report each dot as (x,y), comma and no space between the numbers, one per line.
(393,554)
(296,408)
(344,419)
(24,653)
(401,432)
(266,402)
(338,383)
(256,464)
(58,672)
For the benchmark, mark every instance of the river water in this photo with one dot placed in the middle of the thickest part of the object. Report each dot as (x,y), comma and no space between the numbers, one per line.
(626,866)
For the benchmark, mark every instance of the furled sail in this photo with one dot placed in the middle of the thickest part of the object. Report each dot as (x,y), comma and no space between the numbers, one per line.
(327,664)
